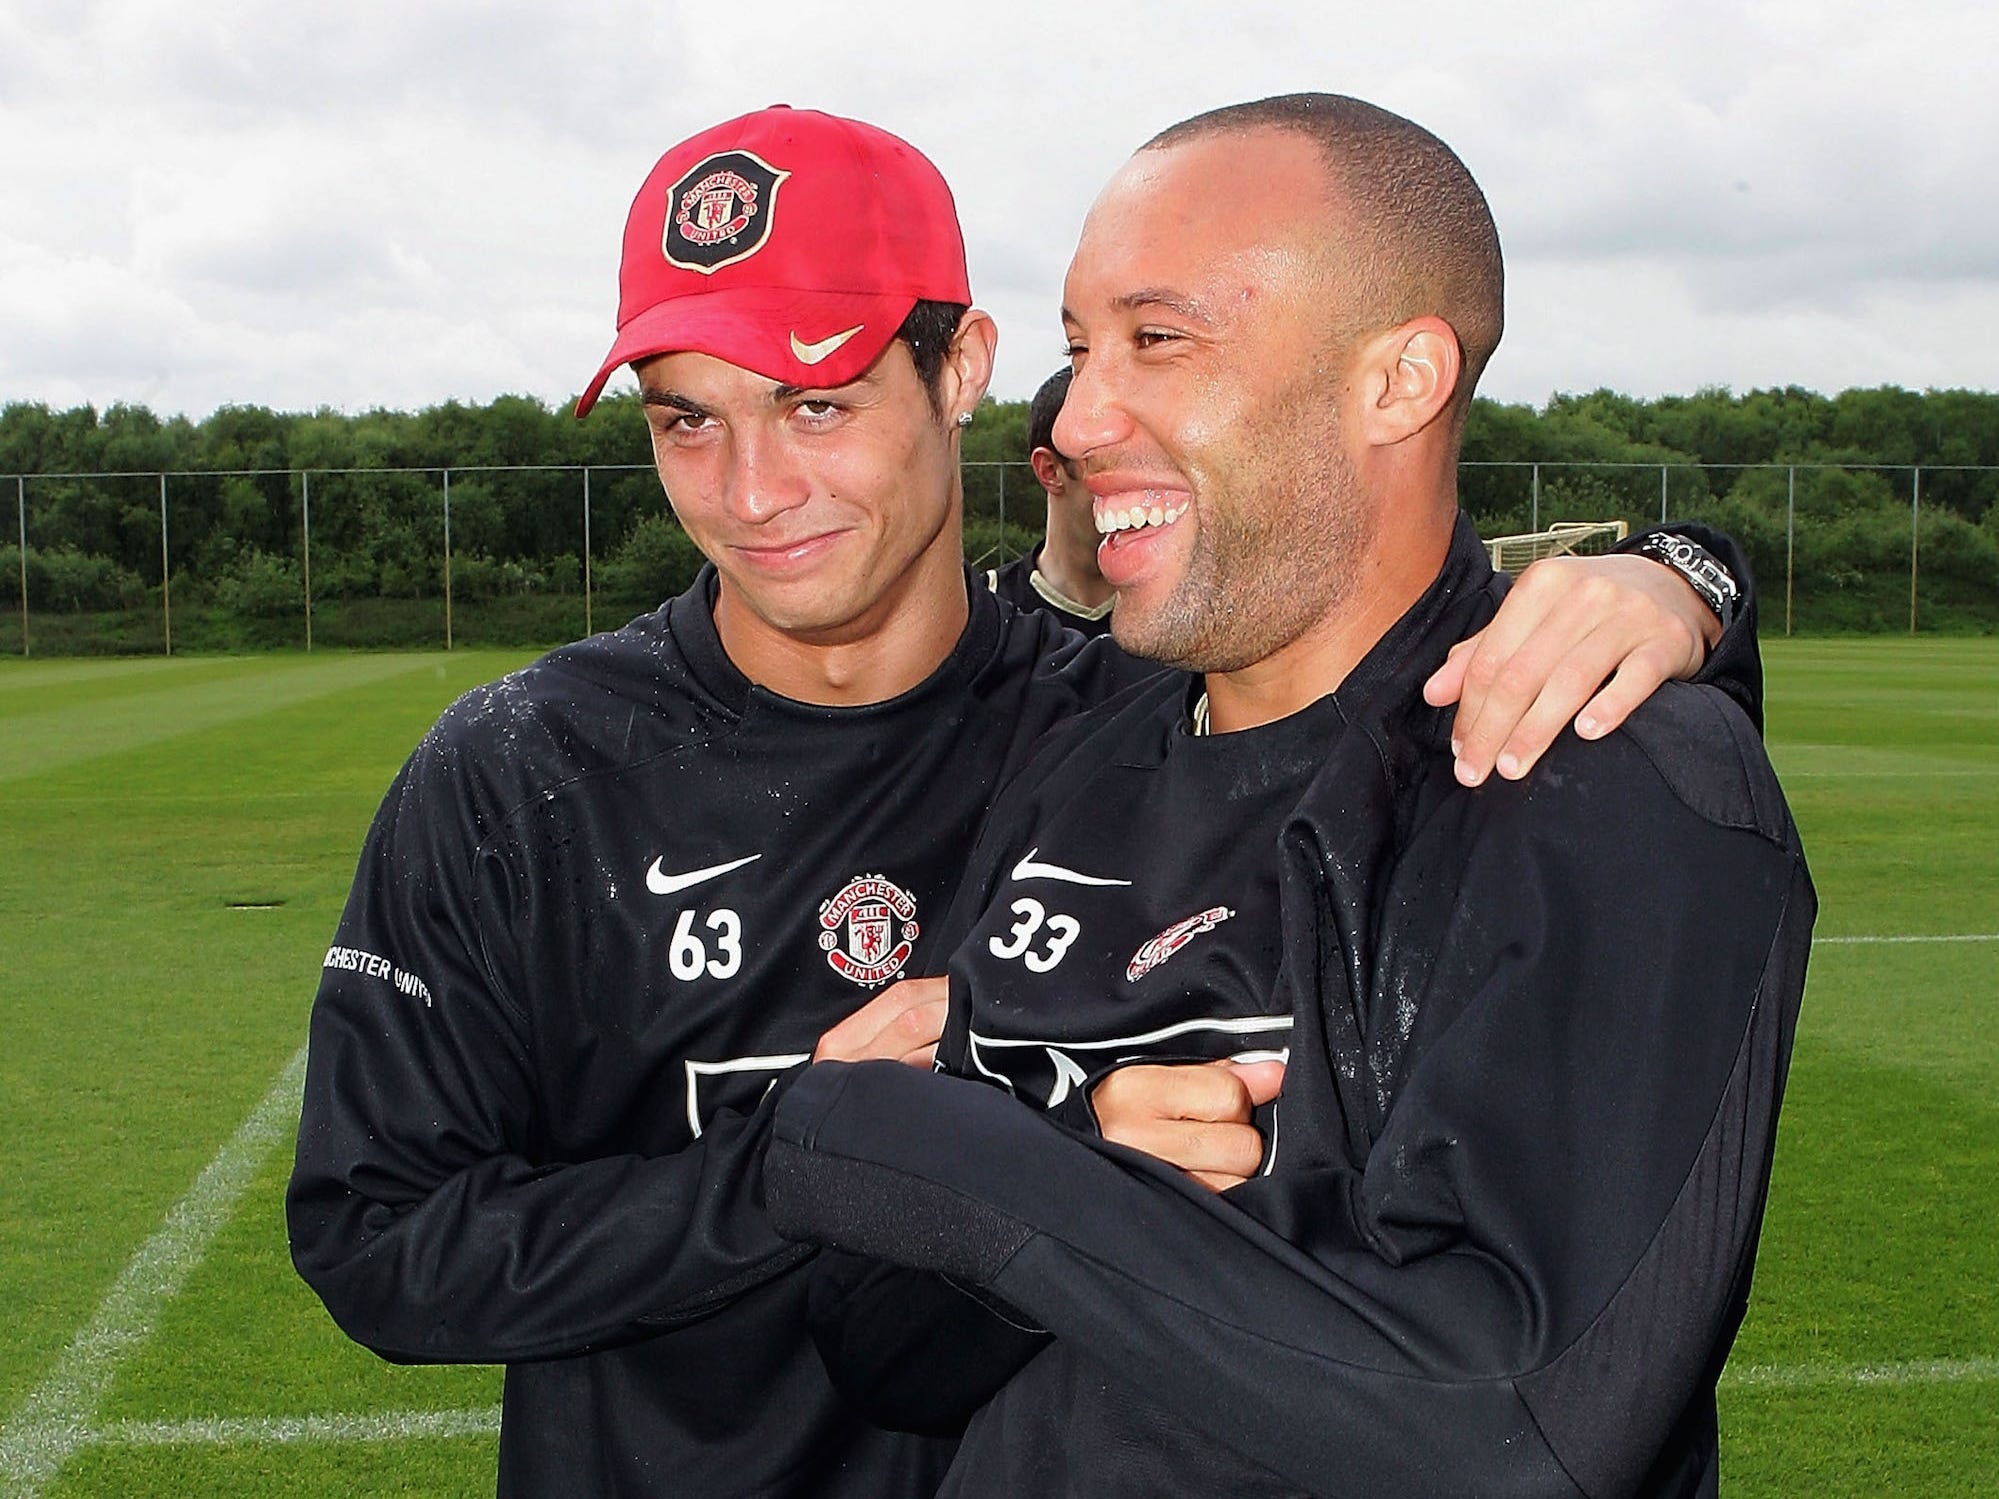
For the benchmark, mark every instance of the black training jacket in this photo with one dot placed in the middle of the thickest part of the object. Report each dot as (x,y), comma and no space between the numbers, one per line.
(1539,1038)
(607,902)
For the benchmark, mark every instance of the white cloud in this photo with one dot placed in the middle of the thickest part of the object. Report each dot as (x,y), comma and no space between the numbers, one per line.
(1639,327)
(387,203)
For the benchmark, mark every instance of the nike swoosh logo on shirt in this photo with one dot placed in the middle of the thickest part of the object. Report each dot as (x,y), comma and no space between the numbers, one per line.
(1029,869)
(813,353)
(661,883)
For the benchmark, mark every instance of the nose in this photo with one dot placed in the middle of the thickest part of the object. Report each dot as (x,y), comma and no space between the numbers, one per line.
(1092,415)
(765,478)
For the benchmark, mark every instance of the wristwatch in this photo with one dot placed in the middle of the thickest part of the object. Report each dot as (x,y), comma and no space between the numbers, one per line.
(1701,568)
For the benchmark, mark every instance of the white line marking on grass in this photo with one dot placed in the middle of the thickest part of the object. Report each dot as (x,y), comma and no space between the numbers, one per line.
(366,1426)
(1814,1376)
(1940,937)
(54,1421)
(400,1426)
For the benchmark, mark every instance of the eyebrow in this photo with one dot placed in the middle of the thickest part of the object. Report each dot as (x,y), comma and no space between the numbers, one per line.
(673,399)
(867,378)
(1159,296)
(1153,296)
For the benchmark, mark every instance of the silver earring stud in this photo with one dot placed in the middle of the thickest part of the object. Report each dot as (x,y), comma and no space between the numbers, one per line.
(964,418)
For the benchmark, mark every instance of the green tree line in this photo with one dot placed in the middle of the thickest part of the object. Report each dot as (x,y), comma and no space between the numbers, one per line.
(235,538)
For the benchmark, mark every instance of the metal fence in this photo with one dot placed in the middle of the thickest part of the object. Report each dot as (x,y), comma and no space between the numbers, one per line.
(277,558)
(1848,541)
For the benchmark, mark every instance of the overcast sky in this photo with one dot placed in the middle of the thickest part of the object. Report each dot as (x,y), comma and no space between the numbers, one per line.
(395,204)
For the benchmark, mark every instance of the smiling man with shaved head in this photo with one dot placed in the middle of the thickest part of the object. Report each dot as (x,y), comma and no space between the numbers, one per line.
(1537,1032)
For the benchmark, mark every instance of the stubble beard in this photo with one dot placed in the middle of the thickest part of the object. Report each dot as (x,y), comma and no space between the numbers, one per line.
(1277,550)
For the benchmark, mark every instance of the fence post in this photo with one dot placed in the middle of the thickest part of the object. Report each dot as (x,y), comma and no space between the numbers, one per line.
(1662,494)
(1915,506)
(305,510)
(447,559)
(1534,523)
(1790,542)
(21,499)
(1002,509)
(166,579)
(586,551)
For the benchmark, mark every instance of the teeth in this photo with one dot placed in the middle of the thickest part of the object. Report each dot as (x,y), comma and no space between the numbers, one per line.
(1138,517)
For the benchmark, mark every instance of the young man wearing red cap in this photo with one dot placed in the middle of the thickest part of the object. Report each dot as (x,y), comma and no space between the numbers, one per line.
(633,885)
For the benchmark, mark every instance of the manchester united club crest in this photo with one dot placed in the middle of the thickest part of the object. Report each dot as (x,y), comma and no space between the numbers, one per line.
(1157,950)
(868,930)
(721,211)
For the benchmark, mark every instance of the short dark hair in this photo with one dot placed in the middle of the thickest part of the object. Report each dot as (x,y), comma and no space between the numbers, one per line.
(1044,408)
(928,330)
(1421,236)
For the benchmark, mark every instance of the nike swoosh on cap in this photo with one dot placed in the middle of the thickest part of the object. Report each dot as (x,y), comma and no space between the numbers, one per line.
(1029,869)
(661,883)
(813,353)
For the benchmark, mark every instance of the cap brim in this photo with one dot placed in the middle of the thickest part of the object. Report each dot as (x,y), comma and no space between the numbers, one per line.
(816,339)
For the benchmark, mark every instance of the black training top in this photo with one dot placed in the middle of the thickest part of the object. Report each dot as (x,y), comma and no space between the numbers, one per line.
(1539,1037)
(607,902)
(1122,932)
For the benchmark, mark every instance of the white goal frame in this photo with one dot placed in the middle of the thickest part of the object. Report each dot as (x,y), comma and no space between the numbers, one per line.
(1563,539)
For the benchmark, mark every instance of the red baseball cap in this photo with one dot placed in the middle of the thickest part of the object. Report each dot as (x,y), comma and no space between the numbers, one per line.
(788,242)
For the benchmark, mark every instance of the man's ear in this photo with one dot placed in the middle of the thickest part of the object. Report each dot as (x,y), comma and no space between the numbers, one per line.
(968,365)
(1411,374)
(1048,469)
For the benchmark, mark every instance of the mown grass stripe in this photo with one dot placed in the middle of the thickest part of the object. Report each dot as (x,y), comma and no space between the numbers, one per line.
(37,674)
(61,737)
(55,1419)
(1876,775)
(1917,938)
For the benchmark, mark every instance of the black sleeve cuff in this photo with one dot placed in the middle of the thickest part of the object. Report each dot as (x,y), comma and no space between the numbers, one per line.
(1735,665)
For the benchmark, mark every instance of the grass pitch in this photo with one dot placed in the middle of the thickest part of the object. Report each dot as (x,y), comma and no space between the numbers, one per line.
(179,836)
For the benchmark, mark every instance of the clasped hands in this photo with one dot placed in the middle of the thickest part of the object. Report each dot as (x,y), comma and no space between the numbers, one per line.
(1196,1116)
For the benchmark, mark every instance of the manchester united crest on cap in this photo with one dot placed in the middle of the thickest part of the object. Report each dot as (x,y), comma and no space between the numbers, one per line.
(721,211)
